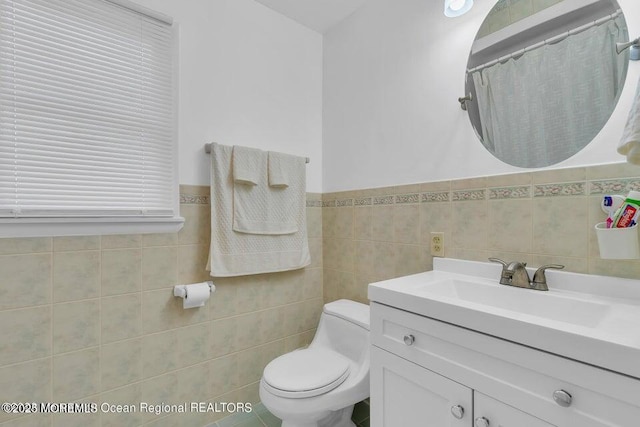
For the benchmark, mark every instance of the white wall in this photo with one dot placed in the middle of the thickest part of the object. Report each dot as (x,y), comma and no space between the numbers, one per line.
(393,72)
(248,76)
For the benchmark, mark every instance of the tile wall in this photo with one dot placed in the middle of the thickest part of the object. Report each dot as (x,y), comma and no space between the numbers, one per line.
(540,217)
(93,319)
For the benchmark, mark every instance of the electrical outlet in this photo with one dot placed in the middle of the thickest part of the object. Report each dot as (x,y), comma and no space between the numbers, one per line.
(437,243)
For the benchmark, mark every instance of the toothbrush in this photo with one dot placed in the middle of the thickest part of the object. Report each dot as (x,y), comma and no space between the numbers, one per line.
(610,204)
(606,203)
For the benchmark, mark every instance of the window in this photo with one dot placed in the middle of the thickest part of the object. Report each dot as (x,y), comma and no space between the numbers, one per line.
(87,120)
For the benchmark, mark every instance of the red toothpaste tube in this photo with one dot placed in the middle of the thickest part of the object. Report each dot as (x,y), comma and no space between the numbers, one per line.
(627,217)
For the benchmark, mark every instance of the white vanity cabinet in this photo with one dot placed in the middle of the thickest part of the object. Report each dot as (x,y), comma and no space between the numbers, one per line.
(428,373)
(409,395)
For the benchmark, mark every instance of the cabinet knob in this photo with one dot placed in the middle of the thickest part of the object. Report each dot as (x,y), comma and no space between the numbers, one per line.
(409,339)
(457,411)
(482,422)
(562,398)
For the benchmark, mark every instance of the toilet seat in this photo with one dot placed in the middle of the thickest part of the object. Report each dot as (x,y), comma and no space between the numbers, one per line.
(306,373)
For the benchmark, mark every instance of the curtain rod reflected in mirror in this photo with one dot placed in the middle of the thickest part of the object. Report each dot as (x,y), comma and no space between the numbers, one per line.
(620,48)
(551,40)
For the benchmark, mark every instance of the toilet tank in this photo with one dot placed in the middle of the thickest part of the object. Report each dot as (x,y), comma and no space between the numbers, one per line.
(344,327)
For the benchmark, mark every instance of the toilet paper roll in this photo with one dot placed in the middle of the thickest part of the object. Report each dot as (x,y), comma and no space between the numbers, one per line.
(197,295)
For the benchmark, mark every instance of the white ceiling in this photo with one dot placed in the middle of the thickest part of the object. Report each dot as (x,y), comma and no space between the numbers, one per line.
(319,15)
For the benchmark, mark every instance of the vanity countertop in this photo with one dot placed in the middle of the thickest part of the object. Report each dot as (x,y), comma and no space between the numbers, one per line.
(589,318)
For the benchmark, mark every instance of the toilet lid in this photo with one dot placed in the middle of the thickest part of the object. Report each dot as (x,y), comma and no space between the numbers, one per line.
(306,373)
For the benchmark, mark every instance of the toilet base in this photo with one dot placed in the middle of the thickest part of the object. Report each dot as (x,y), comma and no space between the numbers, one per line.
(341,418)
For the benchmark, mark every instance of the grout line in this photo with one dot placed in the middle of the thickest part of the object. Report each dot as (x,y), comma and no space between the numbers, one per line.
(15,254)
(28,307)
(51,337)
(101,321)
(51,280)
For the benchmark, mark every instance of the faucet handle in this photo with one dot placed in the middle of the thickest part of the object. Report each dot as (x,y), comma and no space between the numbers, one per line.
(539,278)
(498,260)
(508,269)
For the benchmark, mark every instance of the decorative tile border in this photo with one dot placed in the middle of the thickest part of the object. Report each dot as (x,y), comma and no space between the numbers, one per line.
(466,195)
(344,202)
(364,201)
(560,189)
(193,199)
(614,186)
(435,196)
(407,198)
(328,203)
(520,192)
(196,199)
(383,200)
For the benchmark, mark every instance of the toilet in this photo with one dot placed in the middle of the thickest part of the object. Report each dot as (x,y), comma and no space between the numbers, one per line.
(318,386)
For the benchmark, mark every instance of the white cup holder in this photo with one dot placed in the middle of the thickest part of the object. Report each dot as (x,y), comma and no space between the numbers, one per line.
(618,243)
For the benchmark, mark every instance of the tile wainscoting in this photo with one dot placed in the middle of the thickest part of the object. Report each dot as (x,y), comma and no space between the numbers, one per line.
(93,319)
(538,217)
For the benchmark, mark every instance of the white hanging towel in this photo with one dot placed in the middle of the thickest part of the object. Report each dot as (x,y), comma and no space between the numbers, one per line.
(281,167)
(261,209)
(247,165)
(238,254)
(630,142)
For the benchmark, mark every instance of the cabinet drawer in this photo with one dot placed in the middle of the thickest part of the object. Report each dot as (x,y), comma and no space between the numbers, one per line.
(517,375)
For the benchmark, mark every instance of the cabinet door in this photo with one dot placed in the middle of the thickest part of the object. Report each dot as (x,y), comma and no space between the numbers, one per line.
(404,394)
(489,412)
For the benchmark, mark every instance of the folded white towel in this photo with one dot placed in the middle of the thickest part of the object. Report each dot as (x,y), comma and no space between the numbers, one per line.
(281,167)
(630,142)
(237,254)
(248,164)
(261,209)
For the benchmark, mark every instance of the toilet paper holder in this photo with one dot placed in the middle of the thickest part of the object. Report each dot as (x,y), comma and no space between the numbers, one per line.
(182,291)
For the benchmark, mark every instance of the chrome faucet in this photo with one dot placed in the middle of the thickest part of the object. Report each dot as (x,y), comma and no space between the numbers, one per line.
(515,274)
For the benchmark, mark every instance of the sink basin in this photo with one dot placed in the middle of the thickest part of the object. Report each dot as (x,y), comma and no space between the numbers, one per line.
(546,305)
(589,318)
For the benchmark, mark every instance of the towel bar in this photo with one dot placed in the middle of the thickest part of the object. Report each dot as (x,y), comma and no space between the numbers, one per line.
(207,149)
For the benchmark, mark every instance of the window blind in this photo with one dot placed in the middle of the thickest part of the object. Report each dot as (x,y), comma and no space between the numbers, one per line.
(86,111)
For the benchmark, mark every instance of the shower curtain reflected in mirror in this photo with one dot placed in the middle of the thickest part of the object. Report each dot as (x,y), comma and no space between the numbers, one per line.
(544,106)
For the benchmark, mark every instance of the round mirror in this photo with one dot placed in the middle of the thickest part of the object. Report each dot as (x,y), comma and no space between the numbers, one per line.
(544,76)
